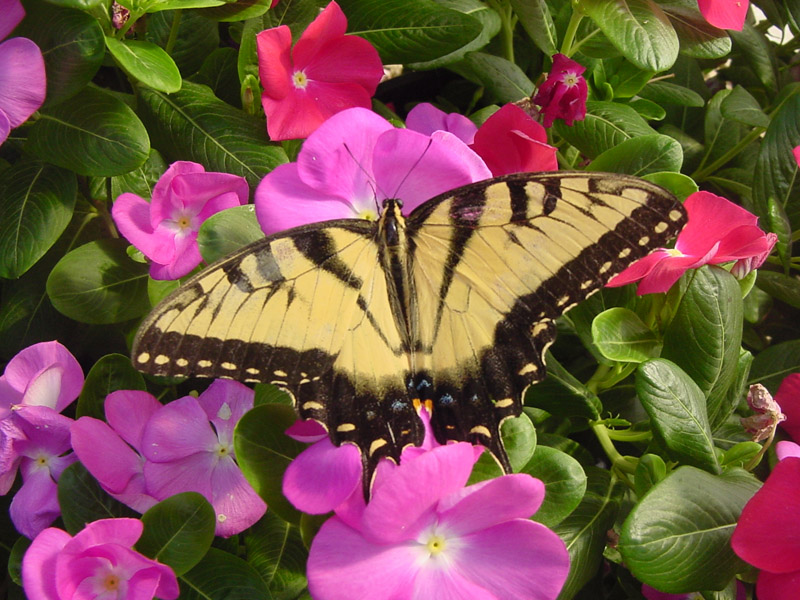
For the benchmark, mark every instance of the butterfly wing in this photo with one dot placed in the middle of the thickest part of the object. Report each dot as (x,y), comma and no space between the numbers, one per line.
(306,310)
(496,262)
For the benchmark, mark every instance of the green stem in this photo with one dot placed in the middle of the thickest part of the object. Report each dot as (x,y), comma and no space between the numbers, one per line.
(757,458)
(173,31)
(132,18)
(623,463)
(507,22)
(702,172)
(569,35)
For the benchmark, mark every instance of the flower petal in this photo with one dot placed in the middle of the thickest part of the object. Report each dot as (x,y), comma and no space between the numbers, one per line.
(206,194)
(274,48)
(131,215)
(725,14)
(22,79)
(308,431)
(122,531)
(162,203)
(30,362)
(788,397)
(225,402)
(11,13)
(235,502)
(425,118)
(778,586)
(35,505)
(329,26)
(128,411)
(768,532)
(348,59)
(39,564)
(190,474)
(178,430)
(438,581)
(787,449)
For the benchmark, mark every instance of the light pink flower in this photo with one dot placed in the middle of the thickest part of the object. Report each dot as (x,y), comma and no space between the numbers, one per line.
(510,141)
(424,535)
(326,72)
(725,14)
(355,160)
(564,92)
(786,449)
(426,118)
(165,229)
(768,533)
(22,74)
(99,562)
(718,231)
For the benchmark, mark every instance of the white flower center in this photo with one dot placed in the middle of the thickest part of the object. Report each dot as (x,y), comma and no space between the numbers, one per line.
(570,79)
(300,80)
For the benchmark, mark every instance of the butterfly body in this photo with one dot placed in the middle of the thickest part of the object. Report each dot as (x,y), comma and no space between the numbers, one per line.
(452,306)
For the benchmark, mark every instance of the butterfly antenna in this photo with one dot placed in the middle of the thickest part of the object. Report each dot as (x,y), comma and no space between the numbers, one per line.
(370,179)
(414,166)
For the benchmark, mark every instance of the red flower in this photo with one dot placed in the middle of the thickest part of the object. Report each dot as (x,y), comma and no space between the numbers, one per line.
(326,71)
(788,397)
(510,141)
(725,14)
(718,231)
(563,94)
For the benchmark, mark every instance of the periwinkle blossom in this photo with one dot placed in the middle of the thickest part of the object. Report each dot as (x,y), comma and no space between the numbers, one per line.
(23,81)
(186,445)
(563,94)
(98,562)
(718,232)
(788,397)
(38,383)
(725,14)
(355,160)
(424,535)
(165,229)
(326,72)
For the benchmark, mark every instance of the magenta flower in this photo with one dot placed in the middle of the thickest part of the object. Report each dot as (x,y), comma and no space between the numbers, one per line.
(326,72)
(510,141)
(165,229)
(788,397)
(768,533)
(99,562)
(564,92)
(424,535)
(718,231)
(426,118)
(22,76)
(725,14)
(652,593)
(354,161)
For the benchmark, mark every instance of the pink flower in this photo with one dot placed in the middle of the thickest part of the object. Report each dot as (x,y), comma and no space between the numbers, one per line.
(22,75)
(788,397)
(510,141)
(326,72)
(354,161)
(165,229)
(725,14)
(786,449)
(652,593)
(563,94)
(151,451)
(718,231)
(99,562)
(424,535)
(768,533)
(796,154)
(426,118)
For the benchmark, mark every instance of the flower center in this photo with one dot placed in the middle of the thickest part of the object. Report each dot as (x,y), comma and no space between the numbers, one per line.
(222,450)
(41,461)
(436,545)
(183,222)
(368,213)
(674,252)
(111,583)
(300,80)
(570,79)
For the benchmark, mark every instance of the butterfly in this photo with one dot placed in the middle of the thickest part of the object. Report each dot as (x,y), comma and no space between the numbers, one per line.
(451,307)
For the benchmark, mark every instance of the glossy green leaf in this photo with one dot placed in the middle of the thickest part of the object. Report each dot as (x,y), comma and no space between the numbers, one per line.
(607,124)
(82,500)
(670,93)
(650,469)
(222,576)
(625,77)
(110,373)
(142,179)
(219,72)
(98,283)
(649,110)
(698,38)
(782,287)
(519,440)
(197,36)
(622,336)
(640,156)
(691,513)
(504,80)
(275,549)
(92,133)
(772,365)
(720,133)
(741,106)
(677,411)
(562,394)
(534,16)
(238,11)
(228,230)
(195,125)
(679,184)
(740,454)
(585,530)
(564,481)
(36,204)
(755,47)
(178,531)
(146,63)
(263,452)
(639,29)
(704,337)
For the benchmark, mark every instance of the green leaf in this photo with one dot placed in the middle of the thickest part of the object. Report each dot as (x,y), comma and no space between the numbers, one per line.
(98,283)
(238,11)
(562,394)
(141,180)
(584,531)
(679,184)
(178,531)
(82,500)
(17,553)
(720,133)
(640,156)
(222,576)
(72,45)
(665,92)
(519,440)
(564,481)
(740,106)
(111,373)
(740,454)
(410,31)
(607,124)
(625,77)
(650,469)
(219,72)
(755,47)
(773,364)
(622,336)
(92,133)
(649,110)
(783,287)
(705,335)
(504,81)
(263,452)
(639,29)
(36,204)
(689,514)
(676,407)
(698,38)
(275,549)
(197,36)
(146,63)
(534,16)
(193,124)
(228,230)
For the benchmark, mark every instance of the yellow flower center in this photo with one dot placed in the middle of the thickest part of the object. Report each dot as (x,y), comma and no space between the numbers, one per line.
(184,222)
(111,583)
(300,80)
(368,214)
(570,79)
(436,545)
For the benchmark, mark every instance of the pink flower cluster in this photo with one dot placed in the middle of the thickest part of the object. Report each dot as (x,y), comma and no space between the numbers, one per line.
(564,92)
